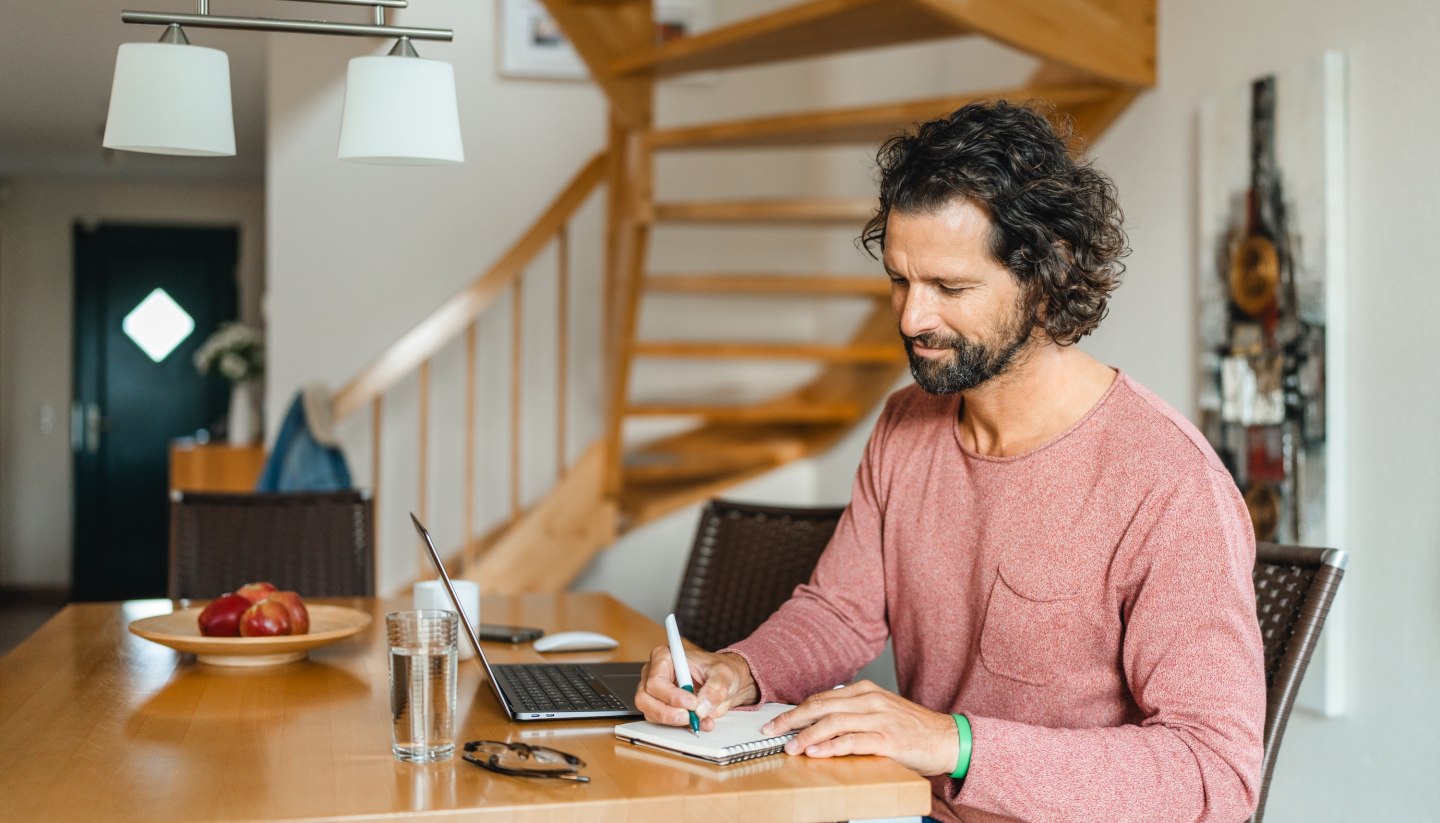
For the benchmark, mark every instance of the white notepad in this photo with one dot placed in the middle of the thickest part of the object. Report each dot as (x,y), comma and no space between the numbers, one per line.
(736,736)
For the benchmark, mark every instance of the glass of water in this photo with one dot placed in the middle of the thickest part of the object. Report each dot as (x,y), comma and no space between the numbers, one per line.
(422,683)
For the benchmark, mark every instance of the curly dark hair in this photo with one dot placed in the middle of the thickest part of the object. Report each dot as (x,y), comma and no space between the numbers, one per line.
(1055,223)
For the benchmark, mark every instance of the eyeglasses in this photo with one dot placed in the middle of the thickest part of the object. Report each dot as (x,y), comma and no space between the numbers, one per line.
(524,760)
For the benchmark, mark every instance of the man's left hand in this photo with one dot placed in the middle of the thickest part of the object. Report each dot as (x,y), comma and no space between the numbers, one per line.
(863,718)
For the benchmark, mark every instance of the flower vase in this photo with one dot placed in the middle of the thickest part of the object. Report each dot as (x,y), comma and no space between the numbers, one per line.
(244,420)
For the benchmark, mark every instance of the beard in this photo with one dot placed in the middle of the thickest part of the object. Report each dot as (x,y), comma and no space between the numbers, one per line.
(970,363)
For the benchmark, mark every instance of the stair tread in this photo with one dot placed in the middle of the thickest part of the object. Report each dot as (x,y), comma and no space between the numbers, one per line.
(1112,41)
(860,124)
(709,349)
(702,463)
(808,29)
(847,210)
(790,284)
(784,411)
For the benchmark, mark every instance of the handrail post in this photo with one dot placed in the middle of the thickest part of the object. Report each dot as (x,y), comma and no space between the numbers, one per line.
(517,338)
(375,423)
(422,502)
(468,549)
(562,345)
(636,203)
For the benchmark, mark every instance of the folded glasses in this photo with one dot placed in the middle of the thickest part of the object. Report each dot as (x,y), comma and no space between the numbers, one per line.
(524,760)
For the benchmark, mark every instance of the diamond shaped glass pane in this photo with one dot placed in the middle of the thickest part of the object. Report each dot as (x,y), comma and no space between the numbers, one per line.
(158,325)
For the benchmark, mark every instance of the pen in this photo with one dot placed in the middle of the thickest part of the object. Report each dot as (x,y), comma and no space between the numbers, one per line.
(682,667)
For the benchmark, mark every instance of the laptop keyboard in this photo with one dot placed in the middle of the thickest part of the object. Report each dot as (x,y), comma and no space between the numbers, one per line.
(555,687)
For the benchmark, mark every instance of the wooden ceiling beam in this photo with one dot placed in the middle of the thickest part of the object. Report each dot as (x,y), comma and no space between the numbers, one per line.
(1111,40)
(603,32)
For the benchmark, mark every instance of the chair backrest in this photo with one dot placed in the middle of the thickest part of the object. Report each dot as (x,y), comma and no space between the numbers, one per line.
(320,544)
(746,562)
(1294,587)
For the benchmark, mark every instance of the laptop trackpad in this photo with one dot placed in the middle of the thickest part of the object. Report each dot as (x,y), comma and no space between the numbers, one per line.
(622,679)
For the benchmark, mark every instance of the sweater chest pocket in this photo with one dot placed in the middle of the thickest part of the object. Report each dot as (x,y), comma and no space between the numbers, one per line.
(1030,629)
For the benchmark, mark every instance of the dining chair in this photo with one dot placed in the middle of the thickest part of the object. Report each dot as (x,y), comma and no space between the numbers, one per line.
(746,562)
(320,544)
(1294,587)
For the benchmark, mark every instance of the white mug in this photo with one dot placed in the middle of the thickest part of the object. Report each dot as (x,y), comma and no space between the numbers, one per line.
(430,594)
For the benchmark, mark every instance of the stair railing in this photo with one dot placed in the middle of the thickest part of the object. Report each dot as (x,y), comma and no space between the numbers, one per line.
(414,352)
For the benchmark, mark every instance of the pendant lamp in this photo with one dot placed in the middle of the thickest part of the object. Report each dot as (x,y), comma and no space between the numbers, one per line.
(400,110)
(171,98)
(174,98)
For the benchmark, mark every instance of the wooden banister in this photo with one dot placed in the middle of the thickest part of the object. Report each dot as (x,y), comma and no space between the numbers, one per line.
(432,334)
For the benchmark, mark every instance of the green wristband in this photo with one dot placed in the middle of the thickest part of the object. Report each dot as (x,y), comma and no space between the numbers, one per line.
(962,763)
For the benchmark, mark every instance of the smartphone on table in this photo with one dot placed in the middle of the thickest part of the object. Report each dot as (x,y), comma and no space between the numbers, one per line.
(509,634)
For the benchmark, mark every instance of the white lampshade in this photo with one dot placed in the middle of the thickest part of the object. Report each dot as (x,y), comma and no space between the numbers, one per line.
(171,99)
(400,111)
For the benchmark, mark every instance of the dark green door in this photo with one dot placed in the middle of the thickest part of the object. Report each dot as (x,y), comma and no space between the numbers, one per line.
(145,299)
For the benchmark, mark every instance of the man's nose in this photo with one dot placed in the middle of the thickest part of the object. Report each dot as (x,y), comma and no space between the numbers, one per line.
(917,313)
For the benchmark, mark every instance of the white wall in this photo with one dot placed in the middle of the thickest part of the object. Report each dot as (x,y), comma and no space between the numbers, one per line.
(1373,764)
(36,306)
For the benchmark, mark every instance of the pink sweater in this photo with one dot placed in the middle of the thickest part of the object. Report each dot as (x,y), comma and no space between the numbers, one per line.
(1087,604)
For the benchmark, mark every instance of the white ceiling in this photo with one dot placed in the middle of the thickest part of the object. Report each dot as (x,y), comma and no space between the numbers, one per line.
(57,58)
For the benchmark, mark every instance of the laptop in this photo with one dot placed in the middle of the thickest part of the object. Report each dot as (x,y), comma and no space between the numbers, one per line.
(548,691)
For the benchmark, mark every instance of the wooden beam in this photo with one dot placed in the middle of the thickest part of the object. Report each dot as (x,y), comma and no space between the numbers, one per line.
(601,33)
(562,344)
(719,349)
(806,29)
(471,386)
(778,412)
(866,125)
(423,447)
(1111,40)
(771,284)
(637,173)
(517,342)
(796,210)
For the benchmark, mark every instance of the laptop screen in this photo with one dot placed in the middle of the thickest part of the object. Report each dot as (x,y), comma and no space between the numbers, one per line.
(464,618)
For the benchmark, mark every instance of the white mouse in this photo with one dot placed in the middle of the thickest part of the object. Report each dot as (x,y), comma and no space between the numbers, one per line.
(575,642)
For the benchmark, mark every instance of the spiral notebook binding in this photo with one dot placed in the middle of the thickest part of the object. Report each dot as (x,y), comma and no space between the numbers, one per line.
(767,746)
(755,749)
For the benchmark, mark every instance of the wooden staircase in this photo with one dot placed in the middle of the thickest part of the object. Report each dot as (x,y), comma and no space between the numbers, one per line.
(1095,56)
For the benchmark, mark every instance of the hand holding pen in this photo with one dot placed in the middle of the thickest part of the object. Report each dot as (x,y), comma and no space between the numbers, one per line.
(682,666)
(721,682)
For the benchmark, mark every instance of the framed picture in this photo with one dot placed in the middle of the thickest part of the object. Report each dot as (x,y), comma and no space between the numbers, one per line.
(532,44)
(1272,309)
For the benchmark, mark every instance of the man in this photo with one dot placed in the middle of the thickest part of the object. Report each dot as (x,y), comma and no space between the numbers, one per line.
(1060,559)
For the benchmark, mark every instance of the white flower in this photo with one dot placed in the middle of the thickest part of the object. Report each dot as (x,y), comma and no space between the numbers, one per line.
(235,350)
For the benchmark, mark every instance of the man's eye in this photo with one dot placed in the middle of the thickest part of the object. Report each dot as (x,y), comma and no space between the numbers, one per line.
(899,282)
(951,290)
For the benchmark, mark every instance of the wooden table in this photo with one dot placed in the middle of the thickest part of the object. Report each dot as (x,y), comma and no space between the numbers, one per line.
(98,724)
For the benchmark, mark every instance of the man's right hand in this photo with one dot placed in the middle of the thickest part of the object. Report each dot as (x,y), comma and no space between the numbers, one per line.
(722,682)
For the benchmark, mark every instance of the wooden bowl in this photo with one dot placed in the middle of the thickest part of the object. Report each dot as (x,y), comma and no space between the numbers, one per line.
(181,631)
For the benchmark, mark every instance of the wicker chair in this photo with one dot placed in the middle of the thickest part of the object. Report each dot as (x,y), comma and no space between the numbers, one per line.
(746,561)
(1294,587)
(320,544)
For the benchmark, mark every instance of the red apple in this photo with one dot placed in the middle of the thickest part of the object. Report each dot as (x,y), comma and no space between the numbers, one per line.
(299,615)
(265,619)
(222,617)
(255,592)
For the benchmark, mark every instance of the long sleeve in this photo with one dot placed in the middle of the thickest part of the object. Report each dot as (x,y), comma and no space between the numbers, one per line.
(1087,604)
(1192,660)
(836,623)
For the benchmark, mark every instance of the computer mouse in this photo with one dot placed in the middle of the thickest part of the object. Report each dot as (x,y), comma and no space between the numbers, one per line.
(575,642)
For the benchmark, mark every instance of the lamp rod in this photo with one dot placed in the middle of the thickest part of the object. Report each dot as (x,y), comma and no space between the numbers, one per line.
(394,4)
(213,21)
